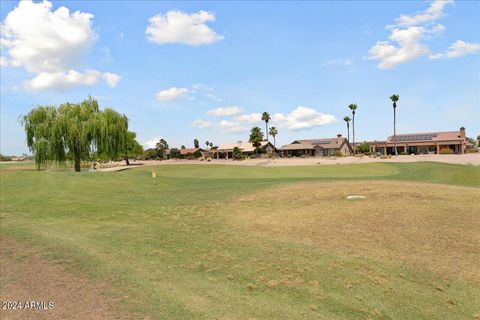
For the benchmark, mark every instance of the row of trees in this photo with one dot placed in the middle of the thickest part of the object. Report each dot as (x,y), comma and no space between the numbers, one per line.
(353,106)
(78,132)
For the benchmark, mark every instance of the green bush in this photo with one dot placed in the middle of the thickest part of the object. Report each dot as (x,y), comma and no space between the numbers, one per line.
(150,154)
(237,154)
(174,153)
(363,147)
(446,151)
(5,158)
(403,153)
(338,153)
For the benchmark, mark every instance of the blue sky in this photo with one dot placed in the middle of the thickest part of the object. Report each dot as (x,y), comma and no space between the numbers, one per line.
(304,63)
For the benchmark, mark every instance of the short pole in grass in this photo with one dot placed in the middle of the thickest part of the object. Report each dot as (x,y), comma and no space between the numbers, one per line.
(154,176)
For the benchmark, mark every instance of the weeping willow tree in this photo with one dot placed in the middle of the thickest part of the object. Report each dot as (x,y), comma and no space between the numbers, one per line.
(133,149)
(74,131)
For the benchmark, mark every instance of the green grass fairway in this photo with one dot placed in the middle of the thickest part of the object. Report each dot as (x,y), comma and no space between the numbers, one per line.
(238,242)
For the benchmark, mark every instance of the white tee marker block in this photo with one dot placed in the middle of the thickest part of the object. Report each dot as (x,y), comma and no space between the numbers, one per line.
(356,197)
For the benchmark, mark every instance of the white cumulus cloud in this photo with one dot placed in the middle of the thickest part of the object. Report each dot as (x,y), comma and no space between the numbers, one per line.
(202,124)
(226,111)
(434,12)
(408,36)
(462,48)
(303,118)
(49,44)
(232,127)
(150,144)
(408,47)
(179,27)
(249,118)
(112,79)
(458,49)
(171,93)
(63,80)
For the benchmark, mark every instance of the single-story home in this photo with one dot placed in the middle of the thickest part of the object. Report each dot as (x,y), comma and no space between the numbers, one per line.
(422,143)
(186,152)
(226,150)
(317,147)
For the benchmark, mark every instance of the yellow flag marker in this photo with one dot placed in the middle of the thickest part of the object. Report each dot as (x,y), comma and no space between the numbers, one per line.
(154,176)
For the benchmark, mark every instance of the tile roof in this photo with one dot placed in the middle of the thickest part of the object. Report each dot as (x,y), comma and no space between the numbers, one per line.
(244,146)
(310,144)
(428,136)
(189,150)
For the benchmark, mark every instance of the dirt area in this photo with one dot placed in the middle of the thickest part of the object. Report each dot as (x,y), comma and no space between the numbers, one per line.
(26,277)
(468,159)
(427,227)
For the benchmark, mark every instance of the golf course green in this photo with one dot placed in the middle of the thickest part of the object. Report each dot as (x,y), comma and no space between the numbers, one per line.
(237,242)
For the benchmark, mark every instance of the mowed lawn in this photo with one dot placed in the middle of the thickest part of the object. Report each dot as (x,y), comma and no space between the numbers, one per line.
(235,242)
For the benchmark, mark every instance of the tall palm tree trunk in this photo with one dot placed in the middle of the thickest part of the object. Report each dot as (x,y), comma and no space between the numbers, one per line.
(348,132)
(395,130)
(353,133)
(266,129)
(274,146)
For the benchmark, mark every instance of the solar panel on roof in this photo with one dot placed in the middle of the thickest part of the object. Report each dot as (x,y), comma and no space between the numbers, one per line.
(416,137)
(320,142)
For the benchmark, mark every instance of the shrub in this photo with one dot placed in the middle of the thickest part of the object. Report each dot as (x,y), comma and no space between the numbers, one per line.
(237,154)
(363,147)
(446,151)
(5,158)
(174,153)
(403,153)
(338,153)
(150,154)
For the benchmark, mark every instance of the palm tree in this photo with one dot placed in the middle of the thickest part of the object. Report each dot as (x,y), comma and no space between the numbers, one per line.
(353,107)
(347,120)
(266,118)
(207,143)
(273,132)
(256,138)
(394,99)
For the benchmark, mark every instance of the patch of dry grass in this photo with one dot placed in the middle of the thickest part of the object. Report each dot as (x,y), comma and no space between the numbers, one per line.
(428,227)
(27,276)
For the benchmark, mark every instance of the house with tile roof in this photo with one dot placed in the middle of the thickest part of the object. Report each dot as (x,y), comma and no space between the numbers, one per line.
(422,143)
(226,150)
(317,147)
